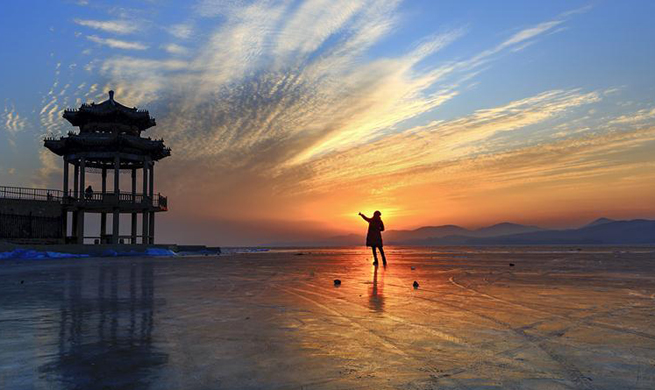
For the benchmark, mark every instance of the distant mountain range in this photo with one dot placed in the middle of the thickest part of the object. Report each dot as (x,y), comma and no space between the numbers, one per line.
(603,231)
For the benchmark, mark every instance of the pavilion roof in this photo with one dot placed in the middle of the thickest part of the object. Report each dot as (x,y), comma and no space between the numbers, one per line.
(109,111)
(103,144)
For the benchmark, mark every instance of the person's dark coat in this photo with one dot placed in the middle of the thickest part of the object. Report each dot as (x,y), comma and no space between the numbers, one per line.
(375,229)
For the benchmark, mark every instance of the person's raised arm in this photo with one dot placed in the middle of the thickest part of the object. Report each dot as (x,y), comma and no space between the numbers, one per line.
(367,219)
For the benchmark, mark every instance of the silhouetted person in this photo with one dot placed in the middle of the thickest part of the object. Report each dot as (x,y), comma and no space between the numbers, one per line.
(88,193)
(374,235)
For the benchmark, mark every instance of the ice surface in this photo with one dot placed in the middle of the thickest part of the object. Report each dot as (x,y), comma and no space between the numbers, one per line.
(29,254)
(33,254)
(561,318)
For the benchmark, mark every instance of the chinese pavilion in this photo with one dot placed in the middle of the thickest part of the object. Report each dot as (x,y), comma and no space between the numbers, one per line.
(109,140)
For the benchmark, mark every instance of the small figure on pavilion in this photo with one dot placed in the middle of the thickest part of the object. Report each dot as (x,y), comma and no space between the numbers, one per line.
(88,193)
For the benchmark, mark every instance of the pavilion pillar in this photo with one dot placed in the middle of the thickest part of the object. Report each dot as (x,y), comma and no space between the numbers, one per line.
(151,224)
(133,232)
(63,201)
(76,187)
(80,213)
(76,180)
(65,187)
(116,222)
(82,177)
(144,214)
(103,215)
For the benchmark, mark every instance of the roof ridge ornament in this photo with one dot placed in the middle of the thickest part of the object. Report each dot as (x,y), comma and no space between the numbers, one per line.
(111,97)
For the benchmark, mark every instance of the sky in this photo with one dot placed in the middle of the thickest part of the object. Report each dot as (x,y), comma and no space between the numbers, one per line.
(287,118)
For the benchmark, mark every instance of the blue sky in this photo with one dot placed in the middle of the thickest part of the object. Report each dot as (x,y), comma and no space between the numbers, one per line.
(287,102)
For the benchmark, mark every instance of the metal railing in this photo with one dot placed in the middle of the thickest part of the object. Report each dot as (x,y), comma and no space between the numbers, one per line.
(157,200)
(31,193)
(22,193)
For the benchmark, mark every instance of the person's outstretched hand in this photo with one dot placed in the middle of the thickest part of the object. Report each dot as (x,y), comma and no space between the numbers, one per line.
(360,213)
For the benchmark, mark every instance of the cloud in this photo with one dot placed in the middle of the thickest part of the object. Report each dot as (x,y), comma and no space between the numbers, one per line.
(212,8)
(53,104)
(116,43)
(530,33)
(173,48)
(111,26)
(443,141)
(639,117)
(570,162)
(13,122)
(140,81)
(312,23)
(181,31)
(50,170)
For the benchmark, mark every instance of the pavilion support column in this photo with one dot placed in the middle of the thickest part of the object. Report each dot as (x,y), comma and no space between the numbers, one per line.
(63,201)
(103,215)
(151,223)
(82,177)
(76,180)
(134,219)
(80,213)
(65,187)
(144,214)
(116,222)
(151,226)
(76,187)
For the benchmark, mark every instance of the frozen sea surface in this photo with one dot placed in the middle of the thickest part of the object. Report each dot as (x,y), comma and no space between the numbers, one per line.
(560,318)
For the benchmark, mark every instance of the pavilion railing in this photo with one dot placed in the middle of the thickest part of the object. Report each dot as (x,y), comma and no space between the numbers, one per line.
(22,193)
(157,200)
(31,193)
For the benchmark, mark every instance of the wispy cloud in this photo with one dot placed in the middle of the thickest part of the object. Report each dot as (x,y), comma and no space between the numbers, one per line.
(111,26)
(639,117)
(212,8)
(53,104)
(181,31)
(530,33)
(13,122)
(50,170)
(116,43)
(443,141)
(176,49)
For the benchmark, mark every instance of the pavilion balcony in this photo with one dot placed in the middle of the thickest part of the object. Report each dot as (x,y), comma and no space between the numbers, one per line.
(127,201)
(22,193)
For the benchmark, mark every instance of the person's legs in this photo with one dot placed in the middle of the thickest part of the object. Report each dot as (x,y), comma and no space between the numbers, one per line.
(375,256)
(384,258)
